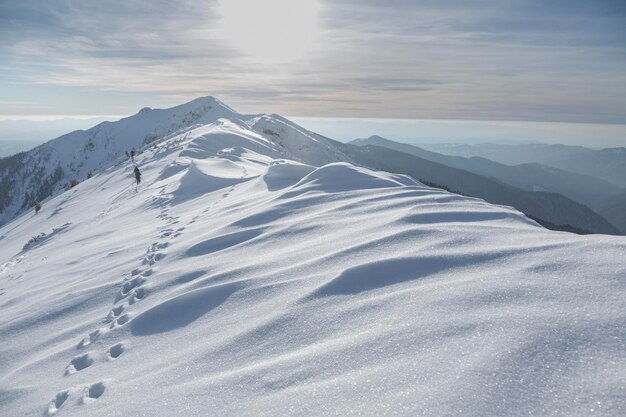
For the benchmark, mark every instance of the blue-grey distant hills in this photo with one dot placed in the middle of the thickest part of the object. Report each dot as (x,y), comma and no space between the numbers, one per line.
(608,164)
(538,191)
(585,189)
(614,210)
(557,165)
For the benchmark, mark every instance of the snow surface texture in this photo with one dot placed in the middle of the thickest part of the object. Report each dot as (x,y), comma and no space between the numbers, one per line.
(45,170)
(234,282)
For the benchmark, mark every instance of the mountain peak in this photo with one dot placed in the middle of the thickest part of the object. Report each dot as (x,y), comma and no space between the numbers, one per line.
(207,99)
(199,107)
(372,140)
(208,102)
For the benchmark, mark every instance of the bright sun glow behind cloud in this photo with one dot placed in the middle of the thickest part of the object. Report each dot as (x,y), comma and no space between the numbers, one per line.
(270,31)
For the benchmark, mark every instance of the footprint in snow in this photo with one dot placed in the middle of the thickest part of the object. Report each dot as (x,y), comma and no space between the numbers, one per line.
(120,321)
(153,258)
(78,364)
(153,248)
(142,272)
(138,294)
(128,286)
(114,313)
(93,392)
(57,402)
(115,351)
(89,339)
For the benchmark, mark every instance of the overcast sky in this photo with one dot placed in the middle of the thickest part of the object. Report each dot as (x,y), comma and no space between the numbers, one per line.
(557,60)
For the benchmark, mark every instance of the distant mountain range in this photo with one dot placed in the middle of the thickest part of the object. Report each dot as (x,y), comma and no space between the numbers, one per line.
(550,207)
(600,195)
(551,196)
(607,164)
(584,189)
(614,210)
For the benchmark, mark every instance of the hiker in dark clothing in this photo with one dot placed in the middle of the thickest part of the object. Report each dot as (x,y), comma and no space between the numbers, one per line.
(137,174)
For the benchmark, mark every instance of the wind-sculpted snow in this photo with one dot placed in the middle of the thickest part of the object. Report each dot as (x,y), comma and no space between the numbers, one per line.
(223,242)
(374,275)
(338,177)
(234,281)
(296,141)
(180,311)
(281,174)
(197,182)
(211,138)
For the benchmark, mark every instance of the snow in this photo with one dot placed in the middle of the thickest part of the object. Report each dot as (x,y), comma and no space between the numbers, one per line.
(237,281)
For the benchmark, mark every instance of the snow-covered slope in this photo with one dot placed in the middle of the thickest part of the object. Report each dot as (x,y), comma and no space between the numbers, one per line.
(46,170)
(235,282)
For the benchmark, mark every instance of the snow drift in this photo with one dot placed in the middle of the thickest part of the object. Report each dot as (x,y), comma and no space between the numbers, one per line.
(235,281)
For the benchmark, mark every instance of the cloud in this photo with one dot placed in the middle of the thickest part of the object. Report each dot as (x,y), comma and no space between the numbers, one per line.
(508,21)
(534,60)
(97,43)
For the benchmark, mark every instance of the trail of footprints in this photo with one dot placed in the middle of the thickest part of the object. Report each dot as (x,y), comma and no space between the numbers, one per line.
(131,291)
(225,195)
(244,174)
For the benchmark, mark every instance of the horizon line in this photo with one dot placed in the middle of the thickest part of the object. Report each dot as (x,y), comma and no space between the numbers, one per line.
(52,117)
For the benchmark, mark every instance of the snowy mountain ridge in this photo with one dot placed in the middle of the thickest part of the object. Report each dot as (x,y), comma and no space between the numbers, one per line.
(236,282)
(59,164)
(44,171)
